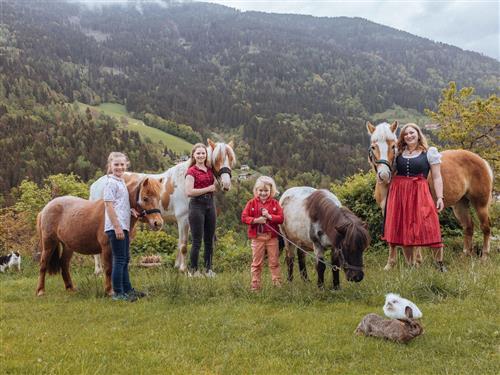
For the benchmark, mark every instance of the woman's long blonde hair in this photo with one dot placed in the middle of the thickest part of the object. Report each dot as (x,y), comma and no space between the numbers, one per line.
(115,155)
(193,160)
(422,141)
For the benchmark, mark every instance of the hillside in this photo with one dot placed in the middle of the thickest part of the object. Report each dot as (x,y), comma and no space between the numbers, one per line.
(120,113)
(293,90)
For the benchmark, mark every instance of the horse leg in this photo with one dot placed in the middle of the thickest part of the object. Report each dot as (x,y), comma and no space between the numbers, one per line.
(462,213)
(408,252)
(393,257)
(107,257)
(302,265)
(320,264)
(180,260)
(289,257)
(335,271)
(97,265)
(418,256)
(484,222)
(65,262)
(48,248)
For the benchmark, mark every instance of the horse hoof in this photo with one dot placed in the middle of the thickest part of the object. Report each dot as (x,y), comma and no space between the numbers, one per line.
(484,258)
(40,293)
(71,289)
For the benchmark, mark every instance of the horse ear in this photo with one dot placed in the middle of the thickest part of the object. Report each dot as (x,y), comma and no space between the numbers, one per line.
(211,143)
(231,144)
(145,182)
(394,126)
(370,127)
(409,312)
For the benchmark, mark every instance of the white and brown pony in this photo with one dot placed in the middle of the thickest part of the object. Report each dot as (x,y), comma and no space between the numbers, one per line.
(315,220)
(76,224)
(174,201)
(467,180)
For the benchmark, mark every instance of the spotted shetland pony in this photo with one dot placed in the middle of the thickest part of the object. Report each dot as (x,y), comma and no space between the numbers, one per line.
(76,224)
(174,201)
(315,220)
(467,180)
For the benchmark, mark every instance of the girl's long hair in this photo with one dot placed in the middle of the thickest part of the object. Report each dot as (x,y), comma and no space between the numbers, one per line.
(193,160)
(115,155)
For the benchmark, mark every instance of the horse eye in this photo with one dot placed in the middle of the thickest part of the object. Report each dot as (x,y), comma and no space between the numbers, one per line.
(373,147)
(145,199)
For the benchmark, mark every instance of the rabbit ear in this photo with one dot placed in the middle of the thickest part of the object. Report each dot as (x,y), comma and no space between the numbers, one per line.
(408,312)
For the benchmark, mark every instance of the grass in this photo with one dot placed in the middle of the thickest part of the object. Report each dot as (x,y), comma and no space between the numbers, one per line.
(210,326)
(403,115)
(119,112)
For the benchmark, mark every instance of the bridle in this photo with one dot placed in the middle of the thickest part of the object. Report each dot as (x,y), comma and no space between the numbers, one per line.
(142,211)
(375,161)
(218,174)
(343,263)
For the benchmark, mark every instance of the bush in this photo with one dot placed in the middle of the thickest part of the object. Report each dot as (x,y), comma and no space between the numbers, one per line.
(230,254)
(148,242)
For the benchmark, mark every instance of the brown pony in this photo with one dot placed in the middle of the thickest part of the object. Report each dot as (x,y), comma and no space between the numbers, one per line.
(78,225)
(315,220)
(467,180)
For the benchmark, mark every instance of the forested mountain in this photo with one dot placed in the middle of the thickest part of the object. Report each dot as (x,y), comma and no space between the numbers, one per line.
(296,89)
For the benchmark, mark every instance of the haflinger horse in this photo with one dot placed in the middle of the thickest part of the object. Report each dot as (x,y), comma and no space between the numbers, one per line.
(174,201)
(315,220)
(78,225)
(467,180)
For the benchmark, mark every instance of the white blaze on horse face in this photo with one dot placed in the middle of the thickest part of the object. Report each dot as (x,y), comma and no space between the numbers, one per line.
(383,139)
(383,171)
(220,159)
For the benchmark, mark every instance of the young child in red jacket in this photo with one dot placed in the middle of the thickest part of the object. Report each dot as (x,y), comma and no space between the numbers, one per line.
(262,213)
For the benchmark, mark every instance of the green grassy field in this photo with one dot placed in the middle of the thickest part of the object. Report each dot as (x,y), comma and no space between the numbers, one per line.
(403,115)
(217,326)
(119,111)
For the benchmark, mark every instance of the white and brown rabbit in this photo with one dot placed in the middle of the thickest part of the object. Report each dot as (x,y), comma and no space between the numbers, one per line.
(402,330)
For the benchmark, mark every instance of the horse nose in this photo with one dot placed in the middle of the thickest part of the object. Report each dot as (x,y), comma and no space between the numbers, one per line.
(358,277)
(158,224)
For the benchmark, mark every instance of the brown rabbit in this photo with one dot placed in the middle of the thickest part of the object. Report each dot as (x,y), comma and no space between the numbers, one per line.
(398,330)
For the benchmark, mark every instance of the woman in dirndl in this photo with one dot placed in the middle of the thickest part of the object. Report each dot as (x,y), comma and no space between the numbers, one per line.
(411,218)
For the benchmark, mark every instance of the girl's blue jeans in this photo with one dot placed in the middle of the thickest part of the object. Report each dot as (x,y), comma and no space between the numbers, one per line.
(121,257)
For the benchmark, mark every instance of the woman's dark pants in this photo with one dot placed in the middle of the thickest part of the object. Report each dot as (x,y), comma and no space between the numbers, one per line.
(202,224)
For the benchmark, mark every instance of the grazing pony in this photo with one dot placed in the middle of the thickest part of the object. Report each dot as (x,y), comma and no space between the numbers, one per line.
(314,220)
(174,201)
(467,180)
(78,225)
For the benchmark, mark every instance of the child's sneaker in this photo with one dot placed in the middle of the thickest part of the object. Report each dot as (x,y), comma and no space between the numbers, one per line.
(194,274)
(210,274)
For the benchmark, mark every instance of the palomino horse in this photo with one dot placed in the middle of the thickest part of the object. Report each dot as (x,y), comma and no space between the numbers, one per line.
(467,180)
(314,220)
(78,225)
(174,201)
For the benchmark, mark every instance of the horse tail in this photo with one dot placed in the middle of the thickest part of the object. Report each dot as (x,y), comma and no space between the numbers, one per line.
(54,262)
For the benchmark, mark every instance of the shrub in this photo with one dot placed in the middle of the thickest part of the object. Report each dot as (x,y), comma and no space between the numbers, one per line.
(147,242)
(231,253)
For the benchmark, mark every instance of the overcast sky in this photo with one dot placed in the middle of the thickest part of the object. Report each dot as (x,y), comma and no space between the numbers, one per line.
(471,25)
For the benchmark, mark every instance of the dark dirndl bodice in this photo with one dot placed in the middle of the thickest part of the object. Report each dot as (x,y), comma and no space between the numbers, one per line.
(411,167)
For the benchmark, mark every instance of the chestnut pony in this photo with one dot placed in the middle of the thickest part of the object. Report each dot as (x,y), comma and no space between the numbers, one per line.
(78,225)
(467,180)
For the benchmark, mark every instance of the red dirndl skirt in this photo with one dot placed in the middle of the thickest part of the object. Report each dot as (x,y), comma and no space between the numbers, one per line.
(411,217)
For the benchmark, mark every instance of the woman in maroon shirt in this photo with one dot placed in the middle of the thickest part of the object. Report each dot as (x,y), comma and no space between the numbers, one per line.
(200,185)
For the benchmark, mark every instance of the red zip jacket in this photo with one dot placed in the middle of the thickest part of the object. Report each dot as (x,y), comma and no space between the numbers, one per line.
(253,210)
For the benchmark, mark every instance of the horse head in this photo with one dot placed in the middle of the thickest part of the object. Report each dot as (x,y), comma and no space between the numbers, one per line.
(354,239)
(148,201)
(383,150)
(222,160)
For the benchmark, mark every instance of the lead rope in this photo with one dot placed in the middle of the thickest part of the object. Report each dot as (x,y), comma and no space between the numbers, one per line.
(308,253)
